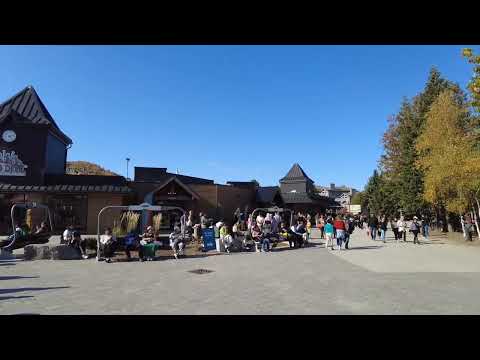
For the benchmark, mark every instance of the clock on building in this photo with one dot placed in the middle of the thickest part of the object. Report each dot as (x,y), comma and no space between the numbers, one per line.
(9,136)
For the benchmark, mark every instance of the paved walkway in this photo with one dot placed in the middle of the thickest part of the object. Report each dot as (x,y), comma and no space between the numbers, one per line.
(371,278)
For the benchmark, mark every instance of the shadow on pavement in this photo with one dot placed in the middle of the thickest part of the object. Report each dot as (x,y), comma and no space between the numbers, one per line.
(15,297)
(16,290)
(373,247)
(7,264)
(18,277)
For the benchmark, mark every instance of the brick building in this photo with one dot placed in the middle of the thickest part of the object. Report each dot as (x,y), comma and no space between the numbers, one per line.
(33,155)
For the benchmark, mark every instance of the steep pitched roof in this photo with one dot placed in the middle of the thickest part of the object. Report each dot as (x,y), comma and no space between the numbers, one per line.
(295,173)
(266,194)
(27,103)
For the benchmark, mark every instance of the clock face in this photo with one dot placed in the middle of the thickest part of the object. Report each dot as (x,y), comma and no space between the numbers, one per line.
(9,136)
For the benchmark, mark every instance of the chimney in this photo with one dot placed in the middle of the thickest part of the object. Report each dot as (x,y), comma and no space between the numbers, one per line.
(332,185)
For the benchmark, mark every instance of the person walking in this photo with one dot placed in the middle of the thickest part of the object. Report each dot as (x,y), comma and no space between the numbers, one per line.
(321,226)
(373,226)
(340,228)
(402,229)
(383,229)
(394,226)
(415,229)
(349,227)
(329,233)
(426,226)
(468,225)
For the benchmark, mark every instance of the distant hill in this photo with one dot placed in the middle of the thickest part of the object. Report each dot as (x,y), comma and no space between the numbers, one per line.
(87,168)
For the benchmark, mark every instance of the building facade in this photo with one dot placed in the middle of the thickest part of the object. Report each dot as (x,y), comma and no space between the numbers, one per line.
(33,156)
(341,194)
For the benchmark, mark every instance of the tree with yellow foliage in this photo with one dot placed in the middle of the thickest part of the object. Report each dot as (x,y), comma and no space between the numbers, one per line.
(449,156)
(474,84)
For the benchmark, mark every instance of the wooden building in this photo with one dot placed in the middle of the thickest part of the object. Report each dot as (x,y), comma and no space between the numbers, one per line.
(33,154)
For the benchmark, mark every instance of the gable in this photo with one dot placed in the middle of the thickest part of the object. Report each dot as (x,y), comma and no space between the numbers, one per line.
(28,106)
(174,188)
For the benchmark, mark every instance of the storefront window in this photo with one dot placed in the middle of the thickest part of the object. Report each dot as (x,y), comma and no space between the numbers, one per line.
(69,210)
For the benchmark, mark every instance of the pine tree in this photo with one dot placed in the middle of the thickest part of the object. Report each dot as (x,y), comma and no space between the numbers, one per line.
(403,178)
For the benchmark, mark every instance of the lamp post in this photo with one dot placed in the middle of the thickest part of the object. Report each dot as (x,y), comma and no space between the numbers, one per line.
(128,160)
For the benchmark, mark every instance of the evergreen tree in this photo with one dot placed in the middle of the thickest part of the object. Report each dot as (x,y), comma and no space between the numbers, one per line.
(403,178)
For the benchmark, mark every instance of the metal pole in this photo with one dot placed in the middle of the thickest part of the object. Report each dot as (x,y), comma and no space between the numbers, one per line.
(13,224)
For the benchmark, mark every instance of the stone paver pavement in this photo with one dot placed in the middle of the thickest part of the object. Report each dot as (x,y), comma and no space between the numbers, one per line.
(371,278)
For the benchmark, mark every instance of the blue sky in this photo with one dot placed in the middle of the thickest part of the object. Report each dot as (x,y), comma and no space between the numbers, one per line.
(228,112)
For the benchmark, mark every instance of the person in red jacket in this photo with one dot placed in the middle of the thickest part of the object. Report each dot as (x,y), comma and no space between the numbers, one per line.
(339,226)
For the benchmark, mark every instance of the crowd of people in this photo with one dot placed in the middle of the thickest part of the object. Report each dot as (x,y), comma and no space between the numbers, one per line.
(260,232)
(378,226)
(23,236)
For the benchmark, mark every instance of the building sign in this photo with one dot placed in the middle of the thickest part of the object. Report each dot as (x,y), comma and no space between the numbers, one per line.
(11,165)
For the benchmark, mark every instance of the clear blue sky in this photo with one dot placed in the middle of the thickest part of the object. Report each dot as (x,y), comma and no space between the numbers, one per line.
(228,112)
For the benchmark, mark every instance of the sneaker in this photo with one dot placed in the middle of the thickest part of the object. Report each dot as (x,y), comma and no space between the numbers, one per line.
(85,256)
(108,260)
(176,256)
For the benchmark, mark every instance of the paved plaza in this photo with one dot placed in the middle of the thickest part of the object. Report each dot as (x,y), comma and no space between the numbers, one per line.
(371,278)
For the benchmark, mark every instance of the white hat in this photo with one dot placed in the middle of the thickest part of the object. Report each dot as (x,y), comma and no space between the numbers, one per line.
(415,218)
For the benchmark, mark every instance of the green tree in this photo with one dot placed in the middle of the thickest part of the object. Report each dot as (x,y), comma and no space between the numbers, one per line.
(474,84)
(357,199)
(373,200)
(403,179)
(449,156)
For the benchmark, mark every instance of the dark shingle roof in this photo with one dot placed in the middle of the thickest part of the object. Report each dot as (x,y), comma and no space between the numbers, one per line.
(65,189)
(266,194)
(294,198)
(295,173)
(160,175)
(306,198)
(97,180)
(27,103)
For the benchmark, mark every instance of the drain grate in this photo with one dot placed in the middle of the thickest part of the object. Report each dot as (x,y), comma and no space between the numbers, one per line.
(200,271)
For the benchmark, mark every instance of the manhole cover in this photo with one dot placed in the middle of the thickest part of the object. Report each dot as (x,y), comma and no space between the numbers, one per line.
(200,271)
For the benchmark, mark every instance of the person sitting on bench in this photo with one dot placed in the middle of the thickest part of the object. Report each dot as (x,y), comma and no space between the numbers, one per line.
(266,235)
(239,231)
(108,244)
(130,243)
(147,237)
(78,243)
(177,242)
(286,235)
(299,232)
(20,236)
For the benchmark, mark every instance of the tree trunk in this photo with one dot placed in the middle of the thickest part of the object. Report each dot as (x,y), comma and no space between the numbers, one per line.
(463,227)
(449,223)
(443,218)
(476,211)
